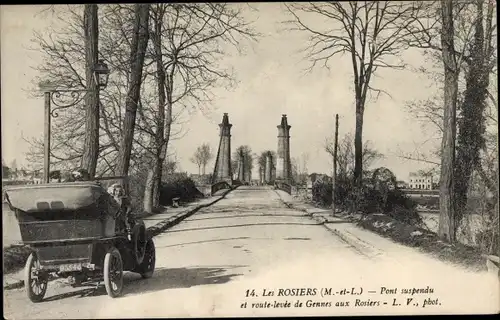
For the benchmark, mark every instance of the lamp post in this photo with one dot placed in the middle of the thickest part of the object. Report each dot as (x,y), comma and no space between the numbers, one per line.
(56,97)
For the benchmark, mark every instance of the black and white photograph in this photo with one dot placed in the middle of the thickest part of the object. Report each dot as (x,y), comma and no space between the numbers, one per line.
(249,159)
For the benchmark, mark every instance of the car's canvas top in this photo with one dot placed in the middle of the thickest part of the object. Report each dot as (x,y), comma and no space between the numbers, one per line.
(67,196)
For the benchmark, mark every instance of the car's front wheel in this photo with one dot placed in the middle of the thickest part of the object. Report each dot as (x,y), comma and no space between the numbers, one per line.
(147,267)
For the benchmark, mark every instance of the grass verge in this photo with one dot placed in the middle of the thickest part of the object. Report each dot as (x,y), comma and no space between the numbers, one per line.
(424,240)
(14,257)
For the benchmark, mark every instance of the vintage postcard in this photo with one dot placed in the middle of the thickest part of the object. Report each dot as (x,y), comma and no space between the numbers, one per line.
(249,159)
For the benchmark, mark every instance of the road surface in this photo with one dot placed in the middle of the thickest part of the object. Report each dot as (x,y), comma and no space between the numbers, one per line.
(226,258)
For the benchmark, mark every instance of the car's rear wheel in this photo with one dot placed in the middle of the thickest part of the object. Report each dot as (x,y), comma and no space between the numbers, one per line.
(113,273)
(35,281)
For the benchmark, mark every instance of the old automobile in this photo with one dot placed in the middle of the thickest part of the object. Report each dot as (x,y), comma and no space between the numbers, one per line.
(75,231)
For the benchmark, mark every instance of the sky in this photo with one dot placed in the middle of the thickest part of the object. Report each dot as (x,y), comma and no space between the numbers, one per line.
(271,82)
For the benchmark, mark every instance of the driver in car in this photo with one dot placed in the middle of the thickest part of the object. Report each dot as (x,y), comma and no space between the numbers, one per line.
(118,193)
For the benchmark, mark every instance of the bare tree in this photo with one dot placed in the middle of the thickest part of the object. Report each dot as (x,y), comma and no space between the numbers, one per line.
(370,32)
(170,166)
(187,41)
(163,118)
(447,227)
(261,160)
(207,155)
(91,140)
(140,40)
(197,159)
(118,21)
(303,163)
(63,66)
(346,156)
(470,56)
(202,156)
(299,168)
(472,123)
(64,58)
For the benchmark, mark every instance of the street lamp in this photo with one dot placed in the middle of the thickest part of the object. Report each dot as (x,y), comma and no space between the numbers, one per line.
(101,74)
(63,99)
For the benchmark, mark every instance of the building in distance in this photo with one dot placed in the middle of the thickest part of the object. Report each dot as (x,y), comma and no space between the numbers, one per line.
(421,181)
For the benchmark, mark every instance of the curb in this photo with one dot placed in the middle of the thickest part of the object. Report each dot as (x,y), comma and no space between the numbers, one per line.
(348,239)
(172,221)
(304,209)
(290,205)
(351,240)
(153,230)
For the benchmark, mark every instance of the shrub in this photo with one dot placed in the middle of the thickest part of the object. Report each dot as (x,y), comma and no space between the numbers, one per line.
(322,193)
(175,177)
(488,240)
(406,215)
(397,197)
(394,203)
(174,185)
(485,230)
(15,257)
(371,201)
(184,188)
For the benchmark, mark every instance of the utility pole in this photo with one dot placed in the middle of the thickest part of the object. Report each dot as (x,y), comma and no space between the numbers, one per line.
(334,175)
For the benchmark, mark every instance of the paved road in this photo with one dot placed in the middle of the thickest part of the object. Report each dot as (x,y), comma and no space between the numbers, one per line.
(251,240)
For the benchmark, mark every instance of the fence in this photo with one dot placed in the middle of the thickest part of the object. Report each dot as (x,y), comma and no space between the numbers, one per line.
(421,193)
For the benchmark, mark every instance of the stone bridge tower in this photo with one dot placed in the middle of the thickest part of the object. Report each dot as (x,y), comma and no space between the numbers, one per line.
(268,174)
(283,163)
(222,171)
(241,167)
(261,175)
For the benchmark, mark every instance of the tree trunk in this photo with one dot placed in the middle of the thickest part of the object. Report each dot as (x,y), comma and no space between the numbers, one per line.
(446,230)
(91,140)
(358,155)
(148,192)
(157,184)
(153,184)
(140,40)
(472,125)
(163,154)
(358,146)
(151,191)
(204,168)
(165,88)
